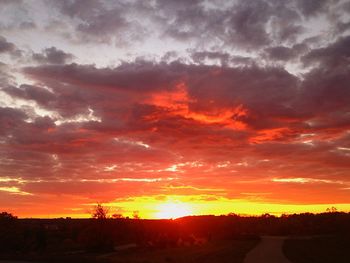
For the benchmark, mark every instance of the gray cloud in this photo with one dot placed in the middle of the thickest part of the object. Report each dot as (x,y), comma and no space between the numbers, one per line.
(52,55)
(312,7)
(283,53)
(98,21)
(245,25)
(7,47)
(30,92)
(334,55)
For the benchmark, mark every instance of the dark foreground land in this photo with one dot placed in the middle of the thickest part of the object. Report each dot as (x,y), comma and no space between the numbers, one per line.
(230,251)
(323,249)
(218,251)
(190,239)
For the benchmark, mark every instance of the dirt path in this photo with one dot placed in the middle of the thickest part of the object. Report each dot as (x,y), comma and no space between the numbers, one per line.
(268,251)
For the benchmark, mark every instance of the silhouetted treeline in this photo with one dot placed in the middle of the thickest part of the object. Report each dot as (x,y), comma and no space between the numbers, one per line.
(21,236)
(232,226)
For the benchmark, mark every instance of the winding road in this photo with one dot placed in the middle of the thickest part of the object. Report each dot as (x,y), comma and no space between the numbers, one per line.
(269,250)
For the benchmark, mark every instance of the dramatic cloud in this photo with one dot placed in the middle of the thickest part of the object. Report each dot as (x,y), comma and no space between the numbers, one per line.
(233,104)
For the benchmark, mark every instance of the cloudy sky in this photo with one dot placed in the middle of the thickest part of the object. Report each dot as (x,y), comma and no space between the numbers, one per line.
(222,106)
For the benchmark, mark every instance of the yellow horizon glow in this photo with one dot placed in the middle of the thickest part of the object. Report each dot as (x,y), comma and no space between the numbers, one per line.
(174,206)
(152,208)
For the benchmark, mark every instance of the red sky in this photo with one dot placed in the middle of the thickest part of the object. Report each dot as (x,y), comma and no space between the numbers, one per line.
(170,110)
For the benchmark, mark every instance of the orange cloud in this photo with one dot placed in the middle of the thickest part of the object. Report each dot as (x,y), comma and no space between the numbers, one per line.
(271,135)
(178,102)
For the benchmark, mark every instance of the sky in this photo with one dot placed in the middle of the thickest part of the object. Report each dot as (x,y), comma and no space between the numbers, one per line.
(151,107)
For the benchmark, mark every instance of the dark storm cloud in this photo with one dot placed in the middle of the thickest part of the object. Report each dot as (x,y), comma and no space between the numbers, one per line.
(325,92)
(52,55)
(202,57)
(312,7)
(29,92)
(99,26)
(10,119)
(79,8)
(190,21)
(199,57)
(247,25)
(243,24)
(342,27)
(280,53)
(268,91)
(7,47)
(98,21)
(325,88)
(138,77)
(335,55)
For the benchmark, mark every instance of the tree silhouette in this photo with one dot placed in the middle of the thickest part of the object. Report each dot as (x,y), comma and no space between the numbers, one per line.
(135,215)
(331,209)
(100,212)
(7,216)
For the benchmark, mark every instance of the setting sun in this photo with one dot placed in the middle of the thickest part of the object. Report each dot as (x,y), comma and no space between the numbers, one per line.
(172,210)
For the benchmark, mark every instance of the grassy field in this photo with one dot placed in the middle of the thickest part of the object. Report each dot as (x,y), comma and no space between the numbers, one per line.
(220,252)
(327,249)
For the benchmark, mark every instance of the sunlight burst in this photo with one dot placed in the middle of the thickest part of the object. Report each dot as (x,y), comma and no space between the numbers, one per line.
(173,210)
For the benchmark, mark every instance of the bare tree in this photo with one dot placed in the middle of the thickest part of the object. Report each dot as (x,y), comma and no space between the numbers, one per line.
(100,212)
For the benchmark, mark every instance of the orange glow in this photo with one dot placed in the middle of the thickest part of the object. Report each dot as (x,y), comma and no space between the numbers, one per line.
(169,206)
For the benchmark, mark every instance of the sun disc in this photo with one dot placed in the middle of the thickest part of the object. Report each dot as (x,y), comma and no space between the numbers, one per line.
(173,210)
